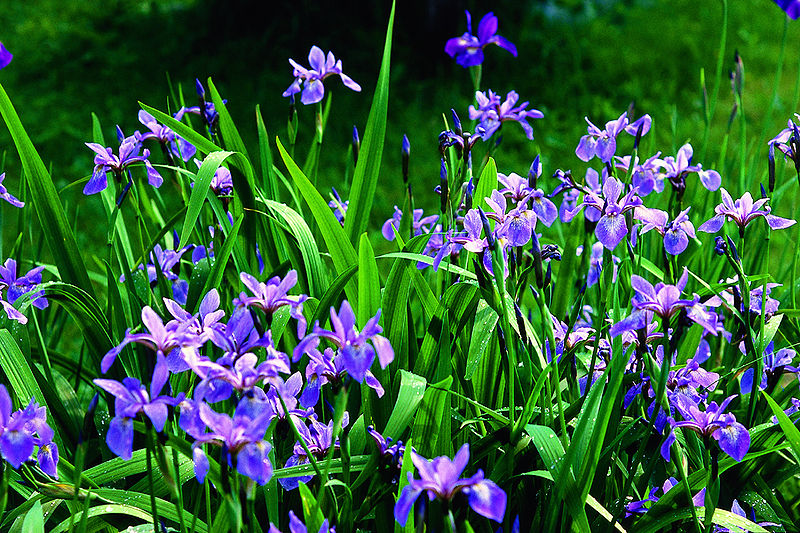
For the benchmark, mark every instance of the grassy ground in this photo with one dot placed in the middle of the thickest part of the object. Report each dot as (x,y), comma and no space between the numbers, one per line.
(575,59)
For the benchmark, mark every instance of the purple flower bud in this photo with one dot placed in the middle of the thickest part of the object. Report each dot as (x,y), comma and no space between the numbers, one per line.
(201,92)
(456,123)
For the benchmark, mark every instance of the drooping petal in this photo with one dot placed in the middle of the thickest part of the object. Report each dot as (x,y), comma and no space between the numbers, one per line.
(713,224)
(779,222)
(733,440)
(120,437)
(404,503)
(611,230)
(97,182)
(487,499)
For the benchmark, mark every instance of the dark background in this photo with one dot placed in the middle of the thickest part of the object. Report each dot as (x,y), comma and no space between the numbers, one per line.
(576,58)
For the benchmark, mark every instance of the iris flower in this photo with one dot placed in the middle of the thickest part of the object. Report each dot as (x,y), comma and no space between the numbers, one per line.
(130,152)
(492,112)
(311,79)
(743,211)
(468,49)
(440,478)
(4,194)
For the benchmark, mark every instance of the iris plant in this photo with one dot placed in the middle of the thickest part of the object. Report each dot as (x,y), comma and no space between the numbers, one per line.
(468,49)
(743,211)
(492,112)
(441,479)
(105,160)
(311,79)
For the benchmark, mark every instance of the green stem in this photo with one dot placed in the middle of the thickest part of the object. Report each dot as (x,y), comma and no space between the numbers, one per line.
(153,507)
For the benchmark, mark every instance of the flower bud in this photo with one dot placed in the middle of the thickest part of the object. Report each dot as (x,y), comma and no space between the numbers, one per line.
(356,144)
(457,129)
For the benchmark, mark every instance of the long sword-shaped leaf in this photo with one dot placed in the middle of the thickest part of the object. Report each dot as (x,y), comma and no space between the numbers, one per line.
(46,202)
(365,177)
(340,248)
(200,190)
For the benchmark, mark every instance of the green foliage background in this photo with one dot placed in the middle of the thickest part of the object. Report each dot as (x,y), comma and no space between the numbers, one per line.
(576,58)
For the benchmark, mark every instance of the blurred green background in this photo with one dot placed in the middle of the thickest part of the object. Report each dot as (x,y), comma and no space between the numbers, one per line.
(576,58)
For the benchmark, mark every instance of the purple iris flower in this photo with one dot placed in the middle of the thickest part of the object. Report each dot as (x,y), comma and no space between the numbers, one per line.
(603,143)
(514,185)
(130,399)
(297,526)
(641,507)
(736,508)
(176,145)
(756,298)
(663,300)
(612,227)
(4,194)
(742,211)
(318,437)
(239,367)
(311,79)
(440,479)
(169,263)
(775,365)
(419,225)
(200,325)
(272,295)
(287,391)
(645,175)
(676,233)
(492,112)
(242,439)
(468,49)
(165,342)
(339,207)
(677,168)
(5,56)
(792,7)
(788,140)
(358,349)
(732,436)
(329,367)
(130,152)
(596,264)
(392,452)
(23,430)
(17,286)
(221,183)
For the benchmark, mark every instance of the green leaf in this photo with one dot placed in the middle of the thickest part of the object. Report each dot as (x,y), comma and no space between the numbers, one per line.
(787,426)
(365,177)
(431,429)
(369,283)
(18,371)
(331,296)
(230,135)
(34,519)
(485,323)
(412,390)
(56,227)
(221,258)
(311,511)
(200,190)
(342,252)
(86,313)
(295,225)
(486,184)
